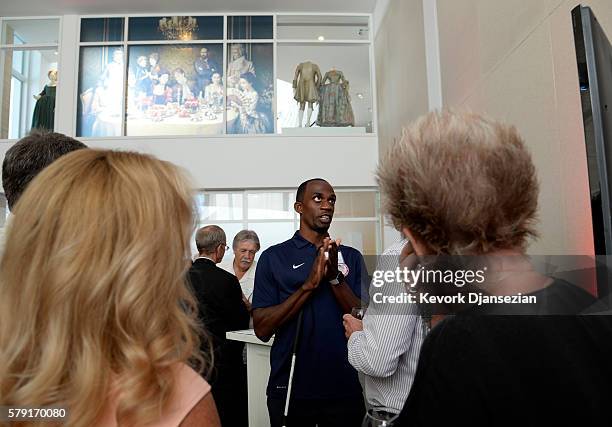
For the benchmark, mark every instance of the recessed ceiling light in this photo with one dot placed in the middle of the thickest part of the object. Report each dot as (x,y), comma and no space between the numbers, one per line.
(55,53)
(360,95)
(321,38)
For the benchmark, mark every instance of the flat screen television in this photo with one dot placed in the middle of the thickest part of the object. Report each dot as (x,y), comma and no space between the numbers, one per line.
(594,58)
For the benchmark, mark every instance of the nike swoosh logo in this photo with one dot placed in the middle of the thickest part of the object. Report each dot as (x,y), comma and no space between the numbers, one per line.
(298,266)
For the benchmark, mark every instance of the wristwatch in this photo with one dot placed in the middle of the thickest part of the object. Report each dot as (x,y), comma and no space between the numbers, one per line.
(338,279)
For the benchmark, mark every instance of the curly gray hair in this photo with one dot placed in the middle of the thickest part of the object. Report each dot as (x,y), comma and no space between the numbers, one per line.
(462,183)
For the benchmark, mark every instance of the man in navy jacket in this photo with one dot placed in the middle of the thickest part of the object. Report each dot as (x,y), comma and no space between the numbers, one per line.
(314,274)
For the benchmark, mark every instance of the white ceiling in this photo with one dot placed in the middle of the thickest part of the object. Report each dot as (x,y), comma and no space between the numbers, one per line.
(83,7)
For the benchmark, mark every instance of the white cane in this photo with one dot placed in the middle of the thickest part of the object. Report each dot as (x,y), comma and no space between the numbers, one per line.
(298,332)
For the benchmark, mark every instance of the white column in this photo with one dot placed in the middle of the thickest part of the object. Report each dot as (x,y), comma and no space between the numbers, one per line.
(65,101)
(432,54)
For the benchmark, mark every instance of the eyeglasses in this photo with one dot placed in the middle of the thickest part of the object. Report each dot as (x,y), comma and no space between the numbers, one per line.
(225,246)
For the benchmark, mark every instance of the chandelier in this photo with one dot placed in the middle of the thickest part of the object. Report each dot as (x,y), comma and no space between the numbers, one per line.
(178,27)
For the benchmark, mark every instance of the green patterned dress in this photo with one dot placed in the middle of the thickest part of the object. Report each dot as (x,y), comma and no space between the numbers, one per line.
(334,101)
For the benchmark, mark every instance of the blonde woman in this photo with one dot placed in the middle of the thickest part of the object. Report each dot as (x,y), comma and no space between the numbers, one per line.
(95,315)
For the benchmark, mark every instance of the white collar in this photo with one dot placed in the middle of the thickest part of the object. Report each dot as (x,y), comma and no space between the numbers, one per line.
(205,257)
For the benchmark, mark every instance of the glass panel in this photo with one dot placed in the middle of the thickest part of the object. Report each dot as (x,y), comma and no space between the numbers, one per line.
(271,233)
(250,89)
(270,205)
(249,27)
(101,84)
(322,27)
(175,90)
(176,28)
(361,235)
(356,204)
(30,31)
(102,29)
(14,130)
(31,92)
(18,61)
(344,100)
(219,206)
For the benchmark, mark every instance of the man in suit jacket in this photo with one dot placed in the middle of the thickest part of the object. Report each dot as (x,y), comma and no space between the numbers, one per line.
(221,309)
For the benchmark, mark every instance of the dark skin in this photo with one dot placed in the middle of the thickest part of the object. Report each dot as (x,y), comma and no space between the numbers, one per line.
(316,212)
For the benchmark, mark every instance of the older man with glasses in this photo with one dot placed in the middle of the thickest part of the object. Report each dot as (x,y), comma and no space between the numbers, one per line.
(221,309)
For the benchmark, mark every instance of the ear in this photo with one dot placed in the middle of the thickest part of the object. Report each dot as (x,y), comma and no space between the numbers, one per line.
(297,206)
(420,247)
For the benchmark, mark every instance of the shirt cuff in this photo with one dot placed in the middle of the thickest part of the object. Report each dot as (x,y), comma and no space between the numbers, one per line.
(353,348)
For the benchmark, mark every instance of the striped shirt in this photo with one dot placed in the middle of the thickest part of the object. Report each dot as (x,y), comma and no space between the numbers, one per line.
(387,350)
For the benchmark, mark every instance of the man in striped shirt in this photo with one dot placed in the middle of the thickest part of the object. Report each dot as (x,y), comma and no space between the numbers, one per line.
(385,346)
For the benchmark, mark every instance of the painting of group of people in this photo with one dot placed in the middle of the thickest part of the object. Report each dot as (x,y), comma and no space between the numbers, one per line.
(150,82)
(250,89)
(179,89)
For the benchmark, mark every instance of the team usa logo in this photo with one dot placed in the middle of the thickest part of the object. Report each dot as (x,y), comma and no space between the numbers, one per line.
(343,268)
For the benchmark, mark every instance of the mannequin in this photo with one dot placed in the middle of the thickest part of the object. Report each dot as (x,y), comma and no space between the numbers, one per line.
(44,111)
(306,84)
(335,108)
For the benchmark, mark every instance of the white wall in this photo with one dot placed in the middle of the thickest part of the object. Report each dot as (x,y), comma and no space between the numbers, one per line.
(401,72)
(258,161)
(515,61)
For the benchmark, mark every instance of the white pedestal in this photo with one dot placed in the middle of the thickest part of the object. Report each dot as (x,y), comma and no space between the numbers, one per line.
(324,131)
(258,371)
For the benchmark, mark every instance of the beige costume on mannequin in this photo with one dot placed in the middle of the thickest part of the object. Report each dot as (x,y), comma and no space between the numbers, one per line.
(306,87)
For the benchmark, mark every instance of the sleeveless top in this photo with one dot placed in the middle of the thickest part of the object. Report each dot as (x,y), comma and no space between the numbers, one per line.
(189,389)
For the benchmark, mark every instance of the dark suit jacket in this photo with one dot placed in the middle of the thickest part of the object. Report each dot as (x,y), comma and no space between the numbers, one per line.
(221,309)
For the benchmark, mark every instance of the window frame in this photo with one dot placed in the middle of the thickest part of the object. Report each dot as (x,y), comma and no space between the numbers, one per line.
(246,222)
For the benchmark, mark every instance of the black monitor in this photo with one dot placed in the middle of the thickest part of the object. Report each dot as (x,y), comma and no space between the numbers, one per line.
(594,57)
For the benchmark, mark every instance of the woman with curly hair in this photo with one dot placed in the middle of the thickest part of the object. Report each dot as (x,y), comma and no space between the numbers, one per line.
(95,313)
(463,189)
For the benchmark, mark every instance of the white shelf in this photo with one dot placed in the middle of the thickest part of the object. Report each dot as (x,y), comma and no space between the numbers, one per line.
(324,131)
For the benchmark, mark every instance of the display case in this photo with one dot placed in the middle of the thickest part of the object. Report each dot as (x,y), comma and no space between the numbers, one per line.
(339,96)
(28,66)
(324,78)
(196,75)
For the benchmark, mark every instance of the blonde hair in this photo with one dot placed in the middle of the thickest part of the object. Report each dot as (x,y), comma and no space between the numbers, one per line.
(93,293)
(463,183)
